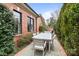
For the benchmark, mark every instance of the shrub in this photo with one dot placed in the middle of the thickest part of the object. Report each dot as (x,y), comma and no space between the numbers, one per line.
(25,40)
(42,29)
(68,28)
(7,29)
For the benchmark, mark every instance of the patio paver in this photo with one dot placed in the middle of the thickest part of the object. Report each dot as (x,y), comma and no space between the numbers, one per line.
(57,50)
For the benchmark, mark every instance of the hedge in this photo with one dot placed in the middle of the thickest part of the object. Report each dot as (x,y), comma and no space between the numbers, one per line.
(7,29)
(68,28)
(42,28)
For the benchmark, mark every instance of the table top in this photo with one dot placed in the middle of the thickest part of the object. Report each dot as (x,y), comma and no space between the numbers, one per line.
(43,36)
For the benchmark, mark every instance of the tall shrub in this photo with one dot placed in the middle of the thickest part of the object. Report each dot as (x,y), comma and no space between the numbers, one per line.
(68,28)
(42,28)
(7,30)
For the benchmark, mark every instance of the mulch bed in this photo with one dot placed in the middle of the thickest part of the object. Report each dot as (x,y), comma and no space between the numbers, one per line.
(20,48)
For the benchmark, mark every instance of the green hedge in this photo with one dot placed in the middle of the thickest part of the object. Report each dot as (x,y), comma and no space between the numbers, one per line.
(42,28)
(68,28)
(7,29)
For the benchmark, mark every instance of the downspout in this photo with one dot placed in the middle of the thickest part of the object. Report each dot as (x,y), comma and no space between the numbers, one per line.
(36,24)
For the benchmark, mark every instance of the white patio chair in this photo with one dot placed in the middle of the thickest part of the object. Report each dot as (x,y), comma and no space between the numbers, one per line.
(39,45)
(53,37)
(34,34)
(37,33)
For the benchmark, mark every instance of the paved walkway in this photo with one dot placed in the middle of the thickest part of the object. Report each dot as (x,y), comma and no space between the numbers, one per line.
(57,50)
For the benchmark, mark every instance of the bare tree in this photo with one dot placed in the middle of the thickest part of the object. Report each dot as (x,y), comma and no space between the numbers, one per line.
(53,19)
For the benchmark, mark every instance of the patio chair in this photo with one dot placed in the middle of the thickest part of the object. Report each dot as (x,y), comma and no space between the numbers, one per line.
(37,33)
(34,34)
(53,37)
(39,45)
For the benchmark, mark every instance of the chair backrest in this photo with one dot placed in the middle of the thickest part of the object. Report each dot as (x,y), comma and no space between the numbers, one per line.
(53,35)
(34,34)
(37,33)
(39,42)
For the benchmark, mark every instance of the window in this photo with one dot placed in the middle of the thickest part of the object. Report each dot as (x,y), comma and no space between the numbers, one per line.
(18,22)
(30,24)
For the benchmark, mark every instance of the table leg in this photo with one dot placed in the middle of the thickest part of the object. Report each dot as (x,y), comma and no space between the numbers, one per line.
(49,46)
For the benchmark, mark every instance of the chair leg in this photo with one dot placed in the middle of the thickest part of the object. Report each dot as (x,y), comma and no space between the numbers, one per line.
(43,52)
(34,52)
(49,46)
(52,45)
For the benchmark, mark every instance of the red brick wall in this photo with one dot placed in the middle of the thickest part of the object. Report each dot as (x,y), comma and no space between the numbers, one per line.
(39,23)
(24,16)
(12,6)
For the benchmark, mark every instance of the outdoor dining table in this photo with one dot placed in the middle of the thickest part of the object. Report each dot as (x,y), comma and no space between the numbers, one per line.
(46,36)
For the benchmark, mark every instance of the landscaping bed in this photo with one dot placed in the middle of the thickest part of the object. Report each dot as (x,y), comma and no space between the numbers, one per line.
(22,43)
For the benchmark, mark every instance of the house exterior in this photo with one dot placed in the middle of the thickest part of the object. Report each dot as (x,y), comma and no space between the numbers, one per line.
(26,19)
(40,22)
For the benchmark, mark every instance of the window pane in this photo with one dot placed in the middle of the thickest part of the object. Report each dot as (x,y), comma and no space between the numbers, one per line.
(30,24)
(17,21)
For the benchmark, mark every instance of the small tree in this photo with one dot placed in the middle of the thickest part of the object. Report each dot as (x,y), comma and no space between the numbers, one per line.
(42,28)
(7,29)
(53,20)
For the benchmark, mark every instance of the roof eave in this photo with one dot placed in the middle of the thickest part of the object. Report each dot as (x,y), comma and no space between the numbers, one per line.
(27,7)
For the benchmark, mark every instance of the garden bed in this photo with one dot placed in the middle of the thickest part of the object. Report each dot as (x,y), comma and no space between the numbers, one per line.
(19,49)
(22,43)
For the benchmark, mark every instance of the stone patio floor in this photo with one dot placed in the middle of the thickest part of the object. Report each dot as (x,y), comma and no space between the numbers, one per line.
(57,50)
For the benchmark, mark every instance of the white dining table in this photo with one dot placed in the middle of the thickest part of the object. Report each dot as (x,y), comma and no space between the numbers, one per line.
(46,36)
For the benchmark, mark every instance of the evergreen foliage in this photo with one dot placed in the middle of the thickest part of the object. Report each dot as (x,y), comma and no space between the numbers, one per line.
(68,28)
(7,29)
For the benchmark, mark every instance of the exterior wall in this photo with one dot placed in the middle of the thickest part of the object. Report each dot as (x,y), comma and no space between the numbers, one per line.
(24,16)
(39,23)
(12,6)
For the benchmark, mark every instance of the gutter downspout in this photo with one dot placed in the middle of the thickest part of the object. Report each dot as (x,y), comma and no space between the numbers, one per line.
(36,24)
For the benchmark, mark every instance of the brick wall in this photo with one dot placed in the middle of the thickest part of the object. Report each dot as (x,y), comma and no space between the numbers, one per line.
(12,6)
(39,23)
